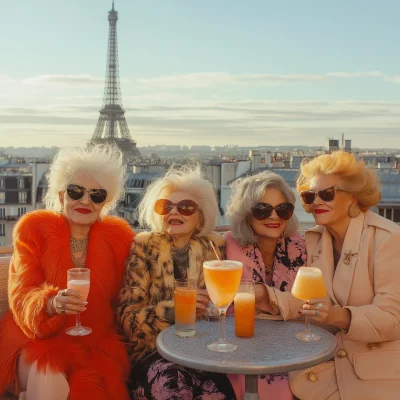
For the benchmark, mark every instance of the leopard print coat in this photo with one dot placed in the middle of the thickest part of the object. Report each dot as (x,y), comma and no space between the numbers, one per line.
(146,296)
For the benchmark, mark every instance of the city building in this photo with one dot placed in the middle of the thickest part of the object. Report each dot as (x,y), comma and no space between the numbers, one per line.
(22,187)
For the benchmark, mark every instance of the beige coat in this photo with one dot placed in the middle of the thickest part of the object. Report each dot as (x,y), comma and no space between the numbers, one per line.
(367,282)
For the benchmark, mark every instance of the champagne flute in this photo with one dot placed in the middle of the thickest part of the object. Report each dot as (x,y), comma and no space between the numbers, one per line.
(308,284)
(79,280)
(222,279)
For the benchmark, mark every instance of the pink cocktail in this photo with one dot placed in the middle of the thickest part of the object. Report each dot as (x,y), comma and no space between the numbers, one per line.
(79,280)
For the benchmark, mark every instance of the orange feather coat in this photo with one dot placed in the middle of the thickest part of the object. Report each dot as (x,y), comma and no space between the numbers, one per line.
(96,365)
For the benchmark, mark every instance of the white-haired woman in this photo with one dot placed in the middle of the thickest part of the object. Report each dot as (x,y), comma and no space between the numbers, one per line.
(38,358)
(181,210)
(264,237)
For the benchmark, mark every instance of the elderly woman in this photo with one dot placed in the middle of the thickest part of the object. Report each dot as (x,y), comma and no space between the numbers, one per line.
(265,239)
(37,356)
(181,210)
(358,253)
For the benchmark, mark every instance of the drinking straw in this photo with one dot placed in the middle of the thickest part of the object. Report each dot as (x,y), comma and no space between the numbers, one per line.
(215,251)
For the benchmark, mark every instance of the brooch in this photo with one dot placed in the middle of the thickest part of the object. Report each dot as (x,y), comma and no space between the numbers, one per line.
(346,257)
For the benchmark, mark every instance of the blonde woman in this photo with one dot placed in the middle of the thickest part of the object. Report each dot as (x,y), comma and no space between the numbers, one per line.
(38,358)
(358,253)
(181,210)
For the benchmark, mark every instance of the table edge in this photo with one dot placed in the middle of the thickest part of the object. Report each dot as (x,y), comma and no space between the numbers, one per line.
(239,369)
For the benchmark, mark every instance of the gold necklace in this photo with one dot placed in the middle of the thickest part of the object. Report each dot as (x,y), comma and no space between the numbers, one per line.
(79,246)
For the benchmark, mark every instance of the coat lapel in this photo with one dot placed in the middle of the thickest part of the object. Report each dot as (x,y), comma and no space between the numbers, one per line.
(348,260)
(321,256)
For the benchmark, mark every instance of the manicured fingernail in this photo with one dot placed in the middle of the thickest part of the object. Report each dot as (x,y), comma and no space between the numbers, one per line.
(85,303)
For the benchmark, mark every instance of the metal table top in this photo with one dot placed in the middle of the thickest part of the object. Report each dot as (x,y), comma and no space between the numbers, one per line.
(273,349)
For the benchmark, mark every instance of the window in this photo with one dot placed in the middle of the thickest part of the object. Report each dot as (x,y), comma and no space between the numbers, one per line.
(2,230)
(396,217)
(1,182)
(22,197)
(389,213)
(2,213)
(381,212)
(21,211)
(21,183)
(2,197)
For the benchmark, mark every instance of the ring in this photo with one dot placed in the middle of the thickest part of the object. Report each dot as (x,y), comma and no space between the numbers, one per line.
(317,313)
(319,305)
(59,306)
(63,311)
(64,292)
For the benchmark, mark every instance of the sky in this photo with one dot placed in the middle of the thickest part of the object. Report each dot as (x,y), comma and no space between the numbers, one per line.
(209,72)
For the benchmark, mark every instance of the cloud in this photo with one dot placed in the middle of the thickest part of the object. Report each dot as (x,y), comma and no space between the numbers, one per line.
(197,80)
(63,80)
(207,79)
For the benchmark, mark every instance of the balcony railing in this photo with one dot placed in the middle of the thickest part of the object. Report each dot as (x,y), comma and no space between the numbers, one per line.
(10,217)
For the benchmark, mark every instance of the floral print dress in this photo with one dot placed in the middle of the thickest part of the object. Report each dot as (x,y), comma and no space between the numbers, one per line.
(290,254)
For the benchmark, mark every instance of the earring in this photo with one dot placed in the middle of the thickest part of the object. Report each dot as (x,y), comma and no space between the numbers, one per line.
(307,208)
(61,209)
(354,210)
(100,218)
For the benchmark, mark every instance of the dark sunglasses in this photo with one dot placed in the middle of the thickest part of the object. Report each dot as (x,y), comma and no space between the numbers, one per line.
(262,211)
(327,194)
(76,192)
(184,207)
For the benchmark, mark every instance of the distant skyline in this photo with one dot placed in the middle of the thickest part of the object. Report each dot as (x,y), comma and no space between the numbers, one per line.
(221,72)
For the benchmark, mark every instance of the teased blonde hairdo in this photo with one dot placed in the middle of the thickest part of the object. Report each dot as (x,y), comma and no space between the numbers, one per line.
(248,191)
(187,179)
(102,162)
(355,177)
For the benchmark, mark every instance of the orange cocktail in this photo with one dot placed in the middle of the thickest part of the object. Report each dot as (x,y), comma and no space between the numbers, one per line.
(245,309)
(222,279)
(185,307)
(309,284)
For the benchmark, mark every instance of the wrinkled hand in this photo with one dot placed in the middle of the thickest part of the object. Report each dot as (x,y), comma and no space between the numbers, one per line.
(69,302)
(202,301)
(317,309)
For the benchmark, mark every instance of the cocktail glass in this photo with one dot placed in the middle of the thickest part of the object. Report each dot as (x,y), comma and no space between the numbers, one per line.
(245,309)
(309,284)
(222,279)
(79,280)
(185,307)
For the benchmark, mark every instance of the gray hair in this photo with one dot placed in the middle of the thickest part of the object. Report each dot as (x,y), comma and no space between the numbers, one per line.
(102,162)
(248,191)
(189,179)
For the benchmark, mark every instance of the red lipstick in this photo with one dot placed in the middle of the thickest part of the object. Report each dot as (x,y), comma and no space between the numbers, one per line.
(83,210)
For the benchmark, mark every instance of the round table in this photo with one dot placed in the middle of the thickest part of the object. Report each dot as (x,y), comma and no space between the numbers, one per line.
(273,349)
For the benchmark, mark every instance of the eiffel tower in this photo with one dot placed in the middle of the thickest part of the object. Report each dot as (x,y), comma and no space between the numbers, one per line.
(112,126)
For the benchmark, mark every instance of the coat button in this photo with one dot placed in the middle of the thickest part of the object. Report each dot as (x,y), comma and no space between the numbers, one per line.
(312,376)
(342,353)
(372,346)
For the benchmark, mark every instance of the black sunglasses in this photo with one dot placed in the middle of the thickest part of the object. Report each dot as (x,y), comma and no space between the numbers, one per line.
(184,207)
(76,192)
(262,211)
(327,194)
